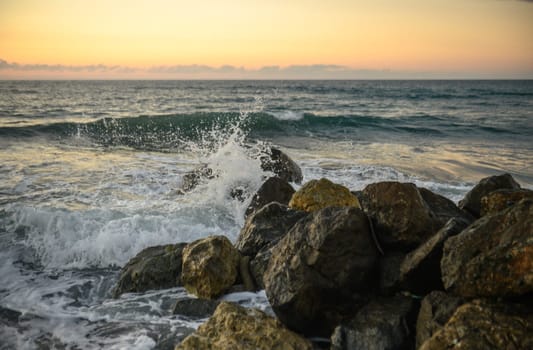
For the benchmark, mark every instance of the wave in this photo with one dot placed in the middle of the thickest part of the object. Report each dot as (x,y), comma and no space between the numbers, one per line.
(177,130)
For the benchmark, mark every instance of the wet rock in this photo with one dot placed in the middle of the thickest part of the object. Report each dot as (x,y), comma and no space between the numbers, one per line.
(195,308)
(235,327)
(320,269)
(156,267)
(435,310)
(501,199)
(281,165)
(420,270)
(383,324)
(210,266)
(266,226)
(319,194)
(493,256)
(405,216)
(274,189)
(472,201)
(193,178)
(481,325)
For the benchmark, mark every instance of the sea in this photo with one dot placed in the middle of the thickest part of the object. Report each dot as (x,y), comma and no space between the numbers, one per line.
(90,174)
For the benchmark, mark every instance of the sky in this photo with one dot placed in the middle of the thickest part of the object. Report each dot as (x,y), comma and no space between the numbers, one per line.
(274,39)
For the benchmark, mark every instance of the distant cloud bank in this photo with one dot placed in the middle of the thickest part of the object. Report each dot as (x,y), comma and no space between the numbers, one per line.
(13,70)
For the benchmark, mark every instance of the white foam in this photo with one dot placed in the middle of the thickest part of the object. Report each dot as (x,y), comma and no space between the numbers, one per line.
(287,115)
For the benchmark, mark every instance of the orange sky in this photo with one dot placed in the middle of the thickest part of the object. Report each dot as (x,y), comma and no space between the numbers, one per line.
(60,38)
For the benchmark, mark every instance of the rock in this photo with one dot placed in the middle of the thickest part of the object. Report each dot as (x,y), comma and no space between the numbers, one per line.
(386,323)
(266,227)
(259,264)
(493,256)
(319,194)
(480,325)
(420,270)
(281,165)
(404,215)
(193,178)
(195,308)
(274,189)
(472,201)
(235,327)
(389,272)
(501,199)
(156,267)
(209,266)
(320,269)
(435,310)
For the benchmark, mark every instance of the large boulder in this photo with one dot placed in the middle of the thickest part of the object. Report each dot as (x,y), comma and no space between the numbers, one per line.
(210,266)
(266,227)
(484,326)
(281,165)
(319,194)
(383,324)
(274,189)
(472,201)
(493,256)
(501,199)
(320,269)
(235,327)
(156,267)
(420,270)
(405,215)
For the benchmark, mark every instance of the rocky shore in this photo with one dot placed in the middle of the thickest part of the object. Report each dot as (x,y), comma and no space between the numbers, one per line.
(393,266)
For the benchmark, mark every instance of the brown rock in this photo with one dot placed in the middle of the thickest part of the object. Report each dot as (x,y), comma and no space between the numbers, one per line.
(156,267)
(472,201)
(319,269)
(420,270)
(501,199)
(435,310)
(484,326)
(274,189)
(492,257)
(319,194)
(210,266)
(235,327)
(406,216)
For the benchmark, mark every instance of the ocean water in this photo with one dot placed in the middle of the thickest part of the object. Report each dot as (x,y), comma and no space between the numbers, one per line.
(90,172)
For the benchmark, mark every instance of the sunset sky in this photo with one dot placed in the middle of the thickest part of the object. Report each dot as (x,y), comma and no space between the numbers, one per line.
(164,39)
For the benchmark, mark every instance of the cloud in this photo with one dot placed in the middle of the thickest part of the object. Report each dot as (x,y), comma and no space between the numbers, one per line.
(314,71)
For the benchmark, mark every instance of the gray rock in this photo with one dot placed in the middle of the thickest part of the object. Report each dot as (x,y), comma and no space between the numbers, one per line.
(195,308)
(266,227)
(274,189)
(472,201)
(383,324)
(281,165)
(156,267)
(320,269)
(259,264)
